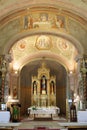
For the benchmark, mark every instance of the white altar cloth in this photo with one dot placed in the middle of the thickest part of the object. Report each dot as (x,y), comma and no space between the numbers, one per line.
(82,116)
(44,110)
(4,116)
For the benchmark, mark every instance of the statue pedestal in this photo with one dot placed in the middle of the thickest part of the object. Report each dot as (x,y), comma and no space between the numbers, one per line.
(43,92)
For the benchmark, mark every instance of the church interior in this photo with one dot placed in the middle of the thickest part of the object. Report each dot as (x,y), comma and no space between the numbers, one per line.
(43,60)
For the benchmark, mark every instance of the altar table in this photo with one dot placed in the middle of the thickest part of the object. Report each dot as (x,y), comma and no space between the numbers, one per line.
(43,111)
(4,116)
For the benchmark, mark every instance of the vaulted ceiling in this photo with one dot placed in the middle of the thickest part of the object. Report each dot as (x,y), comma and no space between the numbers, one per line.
(54,30)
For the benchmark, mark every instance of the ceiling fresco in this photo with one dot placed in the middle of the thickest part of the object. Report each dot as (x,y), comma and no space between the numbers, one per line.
(36,29)
(42,21)
(42,44)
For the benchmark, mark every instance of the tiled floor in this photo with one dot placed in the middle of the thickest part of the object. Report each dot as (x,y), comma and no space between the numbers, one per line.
(29,123)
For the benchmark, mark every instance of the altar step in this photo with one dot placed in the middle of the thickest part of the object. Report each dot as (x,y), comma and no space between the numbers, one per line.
(43,119)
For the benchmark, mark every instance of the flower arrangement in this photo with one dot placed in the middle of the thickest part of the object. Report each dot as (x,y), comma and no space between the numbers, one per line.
(34,108)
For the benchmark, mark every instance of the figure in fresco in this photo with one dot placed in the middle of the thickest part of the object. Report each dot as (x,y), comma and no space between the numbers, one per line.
(43,17)
(60,21)
(43,42)
(28,22)
(25,22)
(53,23)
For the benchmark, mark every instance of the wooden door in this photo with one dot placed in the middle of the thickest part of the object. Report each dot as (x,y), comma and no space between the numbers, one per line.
(25,100)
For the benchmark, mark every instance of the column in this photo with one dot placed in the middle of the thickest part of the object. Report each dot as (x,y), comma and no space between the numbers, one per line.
(4,78)
(3,69)
(71,84)
(79,84)
(84,81)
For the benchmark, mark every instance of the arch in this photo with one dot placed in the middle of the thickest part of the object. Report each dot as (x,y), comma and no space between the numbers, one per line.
(68,37)
(50,55)
(66,5)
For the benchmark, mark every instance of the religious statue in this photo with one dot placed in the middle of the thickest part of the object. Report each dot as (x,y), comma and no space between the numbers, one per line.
(43,84)
(15,92)
(52,87)
(34,87)
(15,112)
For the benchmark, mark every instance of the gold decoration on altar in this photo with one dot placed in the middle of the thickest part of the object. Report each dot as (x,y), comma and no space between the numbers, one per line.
(43,88)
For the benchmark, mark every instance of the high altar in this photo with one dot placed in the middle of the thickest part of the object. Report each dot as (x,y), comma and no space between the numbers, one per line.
(43,88)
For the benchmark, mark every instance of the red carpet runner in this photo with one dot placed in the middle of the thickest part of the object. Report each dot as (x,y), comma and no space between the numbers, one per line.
(40,128)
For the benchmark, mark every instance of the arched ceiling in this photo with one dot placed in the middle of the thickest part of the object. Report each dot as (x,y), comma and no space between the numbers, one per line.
(56,30)
(79,6)
(44,47)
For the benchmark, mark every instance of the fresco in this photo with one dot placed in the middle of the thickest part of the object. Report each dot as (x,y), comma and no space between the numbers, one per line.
(44,21)
(47,20)
(42,43)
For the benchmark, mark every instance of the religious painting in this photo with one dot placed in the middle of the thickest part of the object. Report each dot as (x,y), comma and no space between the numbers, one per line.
(63,44)
(44,20)
(43,42)
(60,21)
(28,22)
(43,17)
(65,47)
(25,22)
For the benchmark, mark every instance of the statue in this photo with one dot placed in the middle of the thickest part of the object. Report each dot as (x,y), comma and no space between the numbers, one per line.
(52,87)
(34,87)
(43,84)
